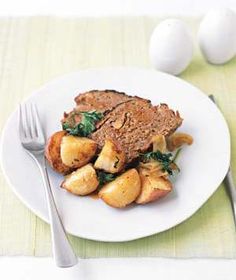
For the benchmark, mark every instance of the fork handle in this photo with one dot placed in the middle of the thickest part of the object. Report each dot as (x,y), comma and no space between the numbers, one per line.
(232,189)
(62,250)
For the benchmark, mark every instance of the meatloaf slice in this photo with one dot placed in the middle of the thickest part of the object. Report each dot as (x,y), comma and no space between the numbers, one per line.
(99,100)
(133,124)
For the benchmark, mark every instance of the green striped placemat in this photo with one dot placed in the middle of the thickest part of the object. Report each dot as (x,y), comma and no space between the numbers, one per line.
(37,49)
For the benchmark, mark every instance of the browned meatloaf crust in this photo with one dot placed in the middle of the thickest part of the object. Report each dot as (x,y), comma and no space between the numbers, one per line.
(129,121)
(99,100)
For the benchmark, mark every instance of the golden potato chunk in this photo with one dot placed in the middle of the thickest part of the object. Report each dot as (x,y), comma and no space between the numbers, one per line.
(111,159)
(83,181)
(123,190)
(153,186)
(77,151)
(177,140)
(159,143)
(53,153)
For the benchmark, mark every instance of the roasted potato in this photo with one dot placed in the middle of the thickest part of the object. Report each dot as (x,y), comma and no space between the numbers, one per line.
(53,153)
(154,185)
(77,151)
(111,159)
(83,181)
(178,139)
(123,190)
(159,143)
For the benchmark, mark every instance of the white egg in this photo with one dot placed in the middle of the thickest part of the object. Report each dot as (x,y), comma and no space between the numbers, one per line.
(171,47)
(217,36)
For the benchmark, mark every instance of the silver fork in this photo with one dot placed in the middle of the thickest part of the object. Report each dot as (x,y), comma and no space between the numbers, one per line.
(32,139)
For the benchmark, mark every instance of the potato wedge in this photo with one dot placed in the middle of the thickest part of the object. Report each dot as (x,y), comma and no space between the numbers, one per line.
(159,143)
(111,159)
(177,140)
(123,190)
(83,181)
(153,186)
(53,153)
(77,151)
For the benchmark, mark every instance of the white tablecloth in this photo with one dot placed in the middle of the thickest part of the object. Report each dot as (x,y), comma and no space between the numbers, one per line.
(118,269)
(109,8)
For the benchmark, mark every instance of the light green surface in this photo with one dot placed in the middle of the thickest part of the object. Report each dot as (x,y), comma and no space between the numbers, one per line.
(35,50)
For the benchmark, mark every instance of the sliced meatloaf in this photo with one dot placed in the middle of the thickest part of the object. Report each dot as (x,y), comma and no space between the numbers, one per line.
(133,124)
(99,100)
(130,121)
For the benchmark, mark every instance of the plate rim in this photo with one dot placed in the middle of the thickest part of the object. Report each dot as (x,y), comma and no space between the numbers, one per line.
(120,68)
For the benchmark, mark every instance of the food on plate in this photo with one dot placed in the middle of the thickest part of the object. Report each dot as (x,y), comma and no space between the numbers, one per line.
(65,152)
(77,151)
(152,167)
(138,123)
(159,143)
(165,160)
(132,120)
(101,101)
(53,153)
(155,183)
(111,158)
(177,140)
(83,181)
(105,177)
(85,125)
(123,190)
(120,147)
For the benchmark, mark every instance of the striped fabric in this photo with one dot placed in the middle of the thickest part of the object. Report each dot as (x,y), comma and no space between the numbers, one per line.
(37,49)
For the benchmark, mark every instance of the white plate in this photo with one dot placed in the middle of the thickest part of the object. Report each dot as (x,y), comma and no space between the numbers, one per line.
(203,165)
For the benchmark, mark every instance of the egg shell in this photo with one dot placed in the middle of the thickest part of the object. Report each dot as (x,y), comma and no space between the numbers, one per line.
(171,47)
(217,36)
